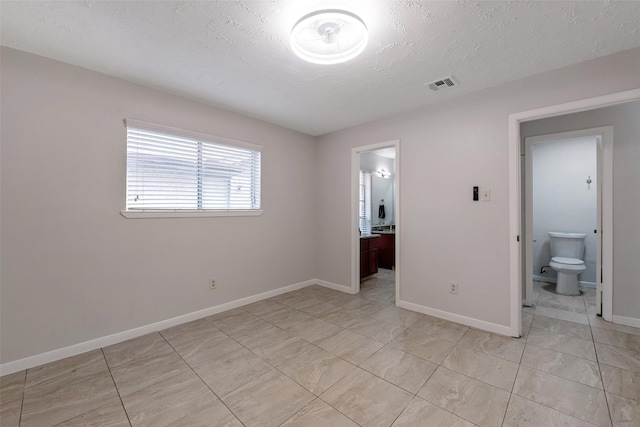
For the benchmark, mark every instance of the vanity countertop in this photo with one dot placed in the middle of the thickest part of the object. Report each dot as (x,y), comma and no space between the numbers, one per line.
(369,236)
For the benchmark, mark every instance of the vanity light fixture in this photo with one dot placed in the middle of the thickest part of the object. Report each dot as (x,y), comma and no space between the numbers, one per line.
(329,36)
(383,174)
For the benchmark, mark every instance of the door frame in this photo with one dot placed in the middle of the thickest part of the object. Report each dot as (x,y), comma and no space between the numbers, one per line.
(355,236)
(515,183)
(604,214)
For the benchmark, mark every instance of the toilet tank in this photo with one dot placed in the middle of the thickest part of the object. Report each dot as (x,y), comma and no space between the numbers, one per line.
(568,245)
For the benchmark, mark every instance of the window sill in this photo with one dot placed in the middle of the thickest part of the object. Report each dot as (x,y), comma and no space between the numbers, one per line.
(187,214)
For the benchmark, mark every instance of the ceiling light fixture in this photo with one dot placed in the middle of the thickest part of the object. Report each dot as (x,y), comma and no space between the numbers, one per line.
(329,36)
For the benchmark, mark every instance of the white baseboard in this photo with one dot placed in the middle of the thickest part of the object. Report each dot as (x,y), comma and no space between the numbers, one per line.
(335,286)
(554,280)
(469,321)
(72,350)
(628,321)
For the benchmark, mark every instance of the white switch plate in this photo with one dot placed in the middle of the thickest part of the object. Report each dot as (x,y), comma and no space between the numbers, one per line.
(485,195)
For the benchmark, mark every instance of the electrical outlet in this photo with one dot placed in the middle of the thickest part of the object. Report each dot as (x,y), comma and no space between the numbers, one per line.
(212,284)
(453,288)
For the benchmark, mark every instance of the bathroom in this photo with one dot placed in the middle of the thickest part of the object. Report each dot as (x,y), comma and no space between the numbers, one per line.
(377,223)
(564,199)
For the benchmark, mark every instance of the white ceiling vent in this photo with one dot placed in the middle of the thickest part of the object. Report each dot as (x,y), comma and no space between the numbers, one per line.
(442,83)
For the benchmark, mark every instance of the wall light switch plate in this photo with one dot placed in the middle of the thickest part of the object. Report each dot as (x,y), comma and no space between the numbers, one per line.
(485,195)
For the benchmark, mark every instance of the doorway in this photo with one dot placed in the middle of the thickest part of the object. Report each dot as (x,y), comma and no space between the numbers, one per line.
(375,211)
(557,197)
(516,226)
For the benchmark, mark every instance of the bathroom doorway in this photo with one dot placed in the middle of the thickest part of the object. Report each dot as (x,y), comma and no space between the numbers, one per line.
(563,188)
(375,221)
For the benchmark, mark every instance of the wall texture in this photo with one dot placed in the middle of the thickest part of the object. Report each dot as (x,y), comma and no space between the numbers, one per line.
(625,120)
(445,150)
(73,269)
(563,201)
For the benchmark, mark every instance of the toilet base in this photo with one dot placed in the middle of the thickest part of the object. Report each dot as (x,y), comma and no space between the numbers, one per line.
(567,284)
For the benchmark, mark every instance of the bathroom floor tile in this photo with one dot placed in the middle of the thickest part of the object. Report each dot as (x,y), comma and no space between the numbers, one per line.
(569,316)
(619,357)
(599,322)
(505,348)
(267,401)
(466,397)
(563,327)
(319,414)
(561,302)
(402,369)
(616,339)
(563,365)
(569,397)
(624,412)
(481,366)
(420,413)
(358,397)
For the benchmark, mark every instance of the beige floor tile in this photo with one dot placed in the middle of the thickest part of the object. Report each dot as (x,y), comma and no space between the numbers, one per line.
(10,412)
(624,412)
(376,329)
(337,297)
(563,365)
(440,328)
(561,302)
(268,400)
(423,345)
(262,307)
(319,414)
(231,371)
(616,339)
(240,320)
(562,343)
(526,413)
(84,364)
(214,346)
(350,346)
(601,323)
(255,330)
(141,373)
(342,317)
(234,312)
(111,415)
(358,396)
(402,369)
(285,316)
(399,316)
(569,316)
(481,366)
(420,413)
(621,382)
(289,298)
(505,348)
(315,369)
(473,400)
(12,386)
(150,345)
(191,331)
(563,327)
(572,398)
(168,401)
(213,414)
(313,306)
(619,357)
(314,330)
(527,318)
(66,398)
(277,349)
(363,306)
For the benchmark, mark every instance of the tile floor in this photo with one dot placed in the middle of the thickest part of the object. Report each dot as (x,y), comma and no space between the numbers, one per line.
(318,357)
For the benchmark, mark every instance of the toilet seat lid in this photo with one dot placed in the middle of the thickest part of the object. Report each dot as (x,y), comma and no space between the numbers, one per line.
(568,261)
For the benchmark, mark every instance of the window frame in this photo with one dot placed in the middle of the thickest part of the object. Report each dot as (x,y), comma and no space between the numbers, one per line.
(188,213)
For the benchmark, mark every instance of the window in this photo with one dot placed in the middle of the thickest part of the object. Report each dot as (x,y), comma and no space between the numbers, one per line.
(365,202)
(182,172)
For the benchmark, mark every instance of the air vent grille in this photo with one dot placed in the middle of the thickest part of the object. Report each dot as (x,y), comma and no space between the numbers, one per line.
(441,83)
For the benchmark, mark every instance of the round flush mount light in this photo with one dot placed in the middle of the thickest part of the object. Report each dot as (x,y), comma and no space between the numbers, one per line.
(329,36)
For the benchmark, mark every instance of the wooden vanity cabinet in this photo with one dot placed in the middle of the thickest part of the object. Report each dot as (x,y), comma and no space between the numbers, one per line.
(387,251)
(369,256)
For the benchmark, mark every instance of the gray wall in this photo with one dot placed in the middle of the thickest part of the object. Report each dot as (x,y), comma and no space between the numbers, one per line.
(625,119)
(445,150)
(73,269)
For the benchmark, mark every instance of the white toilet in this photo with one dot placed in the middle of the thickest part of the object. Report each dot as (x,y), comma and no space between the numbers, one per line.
(567,251)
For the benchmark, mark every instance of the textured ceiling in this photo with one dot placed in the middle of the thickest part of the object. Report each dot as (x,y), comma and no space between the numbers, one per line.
(236,55)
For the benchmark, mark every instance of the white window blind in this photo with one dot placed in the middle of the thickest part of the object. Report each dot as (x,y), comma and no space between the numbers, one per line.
(173,172)
(365,202)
